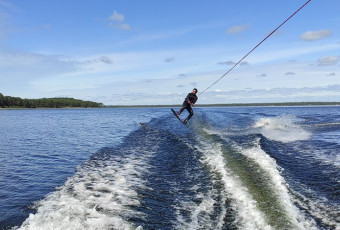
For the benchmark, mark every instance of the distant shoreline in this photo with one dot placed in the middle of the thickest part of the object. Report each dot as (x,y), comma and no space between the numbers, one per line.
(55,102)
(197,106)
(236,105)
(24,108)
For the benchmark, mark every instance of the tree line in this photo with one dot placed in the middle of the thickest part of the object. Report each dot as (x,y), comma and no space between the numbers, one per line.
(57,102)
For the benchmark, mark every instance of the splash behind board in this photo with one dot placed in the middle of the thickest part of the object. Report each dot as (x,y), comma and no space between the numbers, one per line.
(178,117)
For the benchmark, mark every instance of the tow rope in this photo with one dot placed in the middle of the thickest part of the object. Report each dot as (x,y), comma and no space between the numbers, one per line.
(255,47)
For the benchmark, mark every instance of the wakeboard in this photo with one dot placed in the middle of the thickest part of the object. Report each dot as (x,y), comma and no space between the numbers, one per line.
(178,117)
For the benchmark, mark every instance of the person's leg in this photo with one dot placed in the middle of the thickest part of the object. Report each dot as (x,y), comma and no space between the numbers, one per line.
(191,113)
(184,106)
(180,111)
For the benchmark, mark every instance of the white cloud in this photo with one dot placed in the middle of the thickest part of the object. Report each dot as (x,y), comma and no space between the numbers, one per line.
(33,64)
(124,27)
(315,35)
(237,29)
(171,59)
(117,17)
(328,60)
(120,26)
(226,63)
(19,71)
(105,59)
(117,21)
(244,63)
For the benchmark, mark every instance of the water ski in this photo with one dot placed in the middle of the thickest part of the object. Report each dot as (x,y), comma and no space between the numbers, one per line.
(178,117)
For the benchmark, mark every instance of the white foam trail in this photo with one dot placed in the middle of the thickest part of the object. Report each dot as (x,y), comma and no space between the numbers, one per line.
(325,213)
(248,214)
(98,196)
(199,213)
(281,129)
(278,184)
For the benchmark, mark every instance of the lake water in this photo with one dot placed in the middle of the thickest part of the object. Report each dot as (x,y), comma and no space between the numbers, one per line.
(139,168)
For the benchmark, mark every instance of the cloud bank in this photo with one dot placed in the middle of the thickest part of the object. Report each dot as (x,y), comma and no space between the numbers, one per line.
(276,94)
(248,95)
(315,35)
(328,60)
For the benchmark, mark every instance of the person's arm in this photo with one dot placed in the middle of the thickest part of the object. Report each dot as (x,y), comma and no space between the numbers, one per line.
(195,99)
(187,99)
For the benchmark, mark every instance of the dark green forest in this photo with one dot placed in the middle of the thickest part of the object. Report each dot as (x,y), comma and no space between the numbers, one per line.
(57,102)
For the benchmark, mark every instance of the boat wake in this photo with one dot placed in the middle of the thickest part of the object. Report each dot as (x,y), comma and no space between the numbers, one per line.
(165,176)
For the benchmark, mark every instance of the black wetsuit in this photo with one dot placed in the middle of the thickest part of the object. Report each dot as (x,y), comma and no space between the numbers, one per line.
(192,98)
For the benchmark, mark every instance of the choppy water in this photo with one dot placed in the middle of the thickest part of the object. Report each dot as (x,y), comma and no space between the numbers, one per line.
(234,168)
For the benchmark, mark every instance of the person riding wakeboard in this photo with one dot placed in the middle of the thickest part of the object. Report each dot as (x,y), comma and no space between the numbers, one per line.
(189,101)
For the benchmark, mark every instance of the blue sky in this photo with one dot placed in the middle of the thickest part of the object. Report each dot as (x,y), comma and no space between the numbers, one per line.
(154,52)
